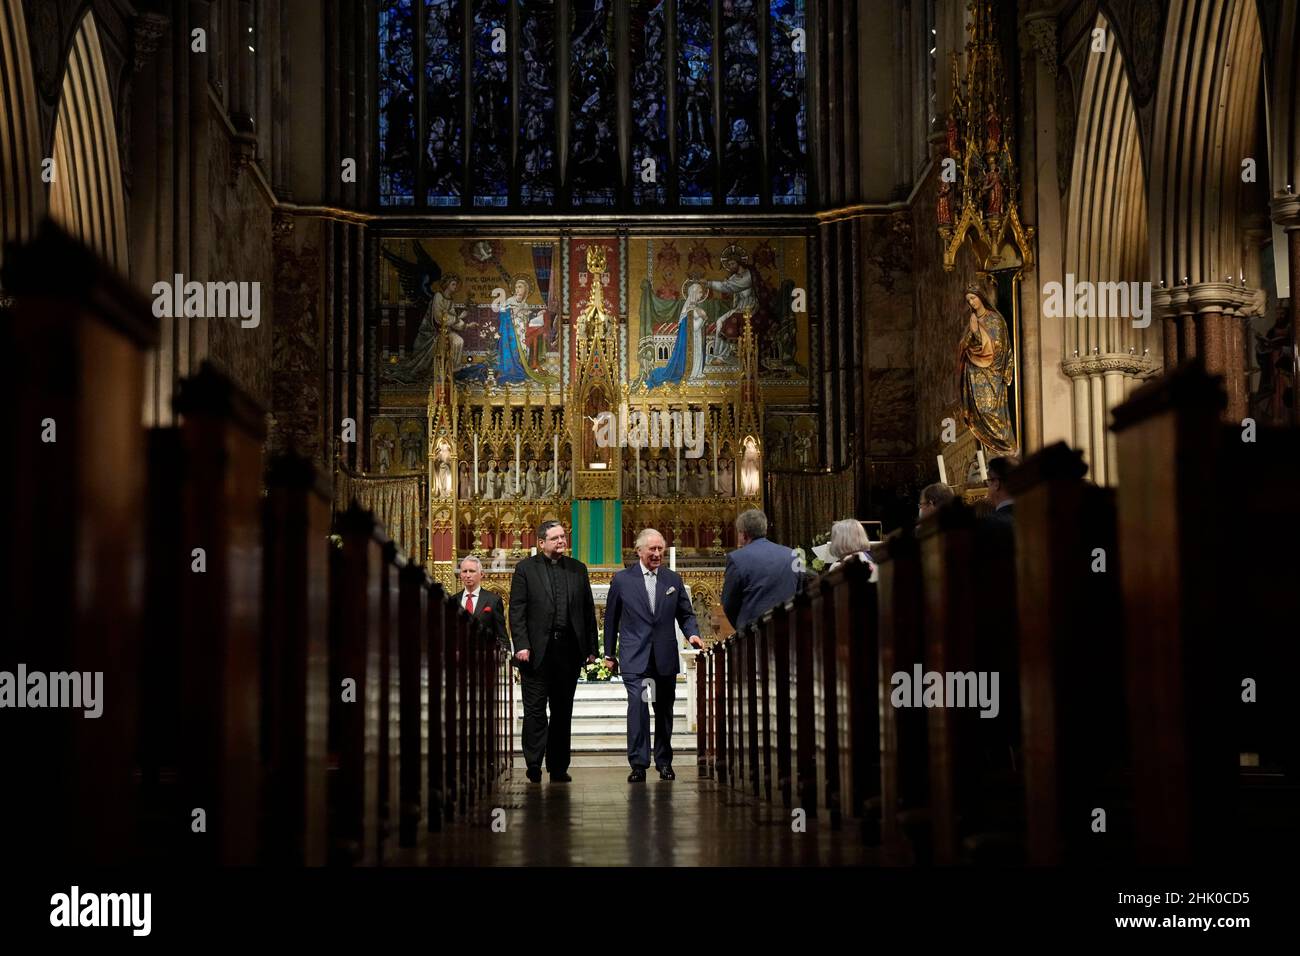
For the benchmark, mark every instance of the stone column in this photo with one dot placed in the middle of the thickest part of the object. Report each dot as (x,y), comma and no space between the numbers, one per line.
(1046,386)
(1217,307)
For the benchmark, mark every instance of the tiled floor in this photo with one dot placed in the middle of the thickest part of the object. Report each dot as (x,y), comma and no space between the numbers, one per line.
(602,820)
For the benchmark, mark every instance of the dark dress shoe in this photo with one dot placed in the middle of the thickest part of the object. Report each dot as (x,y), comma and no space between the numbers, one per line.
(534,775)
(561,778)
(666,773)
(636,776)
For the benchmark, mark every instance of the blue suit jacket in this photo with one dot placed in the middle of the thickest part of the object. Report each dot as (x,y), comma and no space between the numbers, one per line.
(646,638)
(759,576)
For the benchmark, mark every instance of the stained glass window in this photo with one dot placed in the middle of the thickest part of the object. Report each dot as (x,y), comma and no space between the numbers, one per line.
(537,102)
(490,143)
(471,94)
(695,146)
(397,110)
(593,151)
(444,30)
(742,157)
(787,103)
(649,103)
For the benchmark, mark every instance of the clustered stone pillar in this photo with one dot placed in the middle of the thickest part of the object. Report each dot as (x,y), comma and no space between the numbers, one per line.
(1205,320)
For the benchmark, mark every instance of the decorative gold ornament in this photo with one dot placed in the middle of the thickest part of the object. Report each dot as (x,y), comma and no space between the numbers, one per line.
(979,183)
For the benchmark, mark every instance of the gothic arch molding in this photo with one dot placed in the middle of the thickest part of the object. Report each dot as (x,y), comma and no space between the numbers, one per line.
(87,197)
(1204,125)
(1105,241)
(22,200)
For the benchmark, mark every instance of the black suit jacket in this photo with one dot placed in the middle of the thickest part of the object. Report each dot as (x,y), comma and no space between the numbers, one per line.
(532,609)
(489,610)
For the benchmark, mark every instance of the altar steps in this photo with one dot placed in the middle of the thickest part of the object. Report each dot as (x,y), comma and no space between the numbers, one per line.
(600,725)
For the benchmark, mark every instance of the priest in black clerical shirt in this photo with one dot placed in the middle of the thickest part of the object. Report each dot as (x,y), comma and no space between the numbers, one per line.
(553,626)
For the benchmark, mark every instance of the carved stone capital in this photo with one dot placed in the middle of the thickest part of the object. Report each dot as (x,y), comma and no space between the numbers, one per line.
(1040,30)
(1285,210)
(148,29)
(1092,365)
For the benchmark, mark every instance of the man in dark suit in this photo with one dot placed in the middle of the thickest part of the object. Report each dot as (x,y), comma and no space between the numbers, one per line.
(553,623)
(644,602)
(485,605)
(1004,507)
(760,574)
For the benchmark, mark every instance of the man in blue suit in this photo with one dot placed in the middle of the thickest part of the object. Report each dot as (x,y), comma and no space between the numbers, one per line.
(761,574)
(644,602)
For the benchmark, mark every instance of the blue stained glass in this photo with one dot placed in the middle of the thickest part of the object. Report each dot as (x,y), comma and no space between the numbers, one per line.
(490,152)
(444,30)
(537,102)
(397,113)
(695,152)
(742,158)
(787,104)
(649,103)
(593,151)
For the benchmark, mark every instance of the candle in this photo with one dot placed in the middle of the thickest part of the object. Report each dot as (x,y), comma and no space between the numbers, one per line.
(534,551)
(518,461)
(672,558)
(475,463)
(984,472)
(556,487)
(943,473)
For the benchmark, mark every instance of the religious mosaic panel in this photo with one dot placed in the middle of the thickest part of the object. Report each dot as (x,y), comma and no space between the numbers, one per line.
(499,300)
(689,297)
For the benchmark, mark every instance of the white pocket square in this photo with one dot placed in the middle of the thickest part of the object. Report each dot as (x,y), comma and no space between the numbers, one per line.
(670,591)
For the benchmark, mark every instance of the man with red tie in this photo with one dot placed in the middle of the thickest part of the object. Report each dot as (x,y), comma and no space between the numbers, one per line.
(485,605)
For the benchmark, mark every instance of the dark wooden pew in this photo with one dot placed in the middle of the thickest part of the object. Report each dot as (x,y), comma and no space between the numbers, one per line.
(77,338)
(295,662)
(803,719)
(1071,639)
(766,728)
(904,763)
(453,720)
(703,715)
(1200,624)
(222,431)
(414,668)
(753,703)
(355,721)
(722,711)
(384,594)
(780,694)
(436,708)
(976,794)
(850,615)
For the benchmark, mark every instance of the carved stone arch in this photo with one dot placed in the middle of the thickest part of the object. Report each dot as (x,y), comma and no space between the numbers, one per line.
(22,196)
(87,197)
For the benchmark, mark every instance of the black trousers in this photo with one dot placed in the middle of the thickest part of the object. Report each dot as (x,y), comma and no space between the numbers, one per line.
(554,683)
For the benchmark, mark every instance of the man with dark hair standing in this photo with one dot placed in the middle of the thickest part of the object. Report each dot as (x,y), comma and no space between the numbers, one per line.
(553,624)
(999,496)
(760,574)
